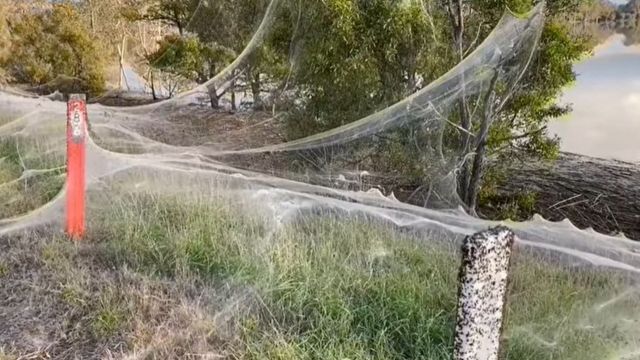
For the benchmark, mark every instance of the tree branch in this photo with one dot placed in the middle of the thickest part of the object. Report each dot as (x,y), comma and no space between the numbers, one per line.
(522,136)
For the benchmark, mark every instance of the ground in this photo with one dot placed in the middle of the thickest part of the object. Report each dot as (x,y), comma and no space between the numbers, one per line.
(175,281)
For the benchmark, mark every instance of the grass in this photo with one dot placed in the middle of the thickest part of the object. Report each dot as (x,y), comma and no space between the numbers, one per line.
(4,269)
(164,278)
(30,176)
(109,318)
(6,356)
(325,288)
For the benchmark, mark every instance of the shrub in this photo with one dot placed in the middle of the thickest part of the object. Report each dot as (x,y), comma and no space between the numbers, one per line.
(54,44)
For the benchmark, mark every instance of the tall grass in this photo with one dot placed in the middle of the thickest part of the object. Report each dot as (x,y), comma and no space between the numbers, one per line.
(331,288)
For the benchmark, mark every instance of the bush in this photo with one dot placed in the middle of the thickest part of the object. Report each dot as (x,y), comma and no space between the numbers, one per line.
(53,44)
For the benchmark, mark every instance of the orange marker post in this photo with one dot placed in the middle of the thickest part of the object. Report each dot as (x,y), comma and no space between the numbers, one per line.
(76,158)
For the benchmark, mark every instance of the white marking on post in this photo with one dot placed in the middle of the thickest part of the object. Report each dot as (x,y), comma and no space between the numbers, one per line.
(482,295)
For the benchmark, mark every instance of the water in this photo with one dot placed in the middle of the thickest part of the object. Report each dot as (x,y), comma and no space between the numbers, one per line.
(605,121)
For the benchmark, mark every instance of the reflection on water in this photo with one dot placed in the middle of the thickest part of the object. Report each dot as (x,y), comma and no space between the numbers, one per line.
(605,121)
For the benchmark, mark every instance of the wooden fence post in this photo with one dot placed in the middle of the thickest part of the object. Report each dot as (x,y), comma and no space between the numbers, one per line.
(76,158)
(482,294)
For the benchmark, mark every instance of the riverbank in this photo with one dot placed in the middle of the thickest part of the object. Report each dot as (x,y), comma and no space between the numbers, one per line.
(590,192)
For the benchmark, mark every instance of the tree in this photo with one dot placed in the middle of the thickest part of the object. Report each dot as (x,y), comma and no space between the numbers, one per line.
(231,24)
(191,59)
(353,57)
(114,26)
(631,6)
(520,127)
(593,11)
(177,13)
(54,43)
(363,56)
(248,15)
(227,25)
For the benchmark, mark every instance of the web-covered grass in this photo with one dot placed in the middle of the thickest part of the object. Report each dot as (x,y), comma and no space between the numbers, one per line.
(29,176)
(316,286)
(326,288)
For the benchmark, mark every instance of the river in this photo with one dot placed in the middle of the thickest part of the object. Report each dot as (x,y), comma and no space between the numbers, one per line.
(605,121)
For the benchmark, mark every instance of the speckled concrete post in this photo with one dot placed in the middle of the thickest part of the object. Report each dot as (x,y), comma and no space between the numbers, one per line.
(482,294)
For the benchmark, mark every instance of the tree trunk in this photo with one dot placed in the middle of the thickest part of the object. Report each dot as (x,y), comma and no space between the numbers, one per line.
(211,88)
(233,96)
(412,82)
(178,22)
(213,96)
(255,89)
(477,170)
(465,173)
(456,17)
(153,86)
(476,177)
(121,54)
(591,192)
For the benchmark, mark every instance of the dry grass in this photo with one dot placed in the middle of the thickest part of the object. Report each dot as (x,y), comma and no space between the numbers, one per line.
(57,300)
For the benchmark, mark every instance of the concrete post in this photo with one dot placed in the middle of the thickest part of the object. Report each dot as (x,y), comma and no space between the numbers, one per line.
(482,294)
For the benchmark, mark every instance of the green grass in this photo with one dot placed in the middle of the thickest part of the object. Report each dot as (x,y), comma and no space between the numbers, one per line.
(349,289)
(4,269)
(110,316)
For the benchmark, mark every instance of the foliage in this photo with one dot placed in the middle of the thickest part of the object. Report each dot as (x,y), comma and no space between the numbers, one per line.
(188,57)
(596,10)
(631,6)
(177,13)
(54,43)
(496,205)
(534,102)
(224,26)
(344,59)
(356,57)
(362,56)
